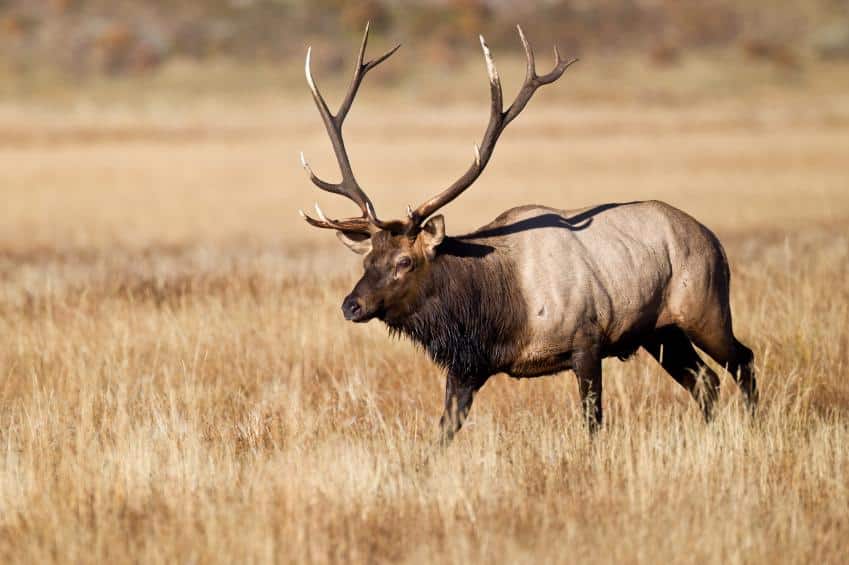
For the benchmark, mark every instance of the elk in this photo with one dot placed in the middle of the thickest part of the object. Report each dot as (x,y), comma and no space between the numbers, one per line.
(538,290)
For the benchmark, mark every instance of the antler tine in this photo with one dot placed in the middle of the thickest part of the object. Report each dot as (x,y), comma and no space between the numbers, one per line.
(532,79)
(359,73)
(315,180)
(348,186)
(358,225)
(530,71)
(498,120)
(494,80)
(560,66)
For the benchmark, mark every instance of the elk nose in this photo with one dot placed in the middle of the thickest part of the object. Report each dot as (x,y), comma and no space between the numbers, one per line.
(351,307)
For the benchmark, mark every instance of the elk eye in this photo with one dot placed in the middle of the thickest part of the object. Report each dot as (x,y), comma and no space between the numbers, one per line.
(404,263)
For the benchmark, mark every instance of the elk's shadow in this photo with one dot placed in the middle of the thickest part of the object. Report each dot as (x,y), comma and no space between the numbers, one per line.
(465,246)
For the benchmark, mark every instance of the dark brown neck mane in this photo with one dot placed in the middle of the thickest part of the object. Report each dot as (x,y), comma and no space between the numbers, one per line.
(470,316)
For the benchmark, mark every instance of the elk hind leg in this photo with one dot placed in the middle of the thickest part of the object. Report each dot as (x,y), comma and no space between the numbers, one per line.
(743,369)
(714,336)
(737,359)
(671,347)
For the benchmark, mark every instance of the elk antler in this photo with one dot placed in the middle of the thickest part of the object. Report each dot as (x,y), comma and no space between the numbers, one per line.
(348,186)
(498,120)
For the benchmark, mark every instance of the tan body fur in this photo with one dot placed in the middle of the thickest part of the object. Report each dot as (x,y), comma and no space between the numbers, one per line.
(608,275)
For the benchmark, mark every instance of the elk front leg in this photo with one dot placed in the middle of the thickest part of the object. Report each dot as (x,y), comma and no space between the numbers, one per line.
(587,367)
(459,394)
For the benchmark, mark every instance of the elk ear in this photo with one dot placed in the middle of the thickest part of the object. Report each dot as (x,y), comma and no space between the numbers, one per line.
(432,234)
(356,242)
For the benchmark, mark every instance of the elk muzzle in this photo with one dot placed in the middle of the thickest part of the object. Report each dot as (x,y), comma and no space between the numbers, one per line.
(355,309)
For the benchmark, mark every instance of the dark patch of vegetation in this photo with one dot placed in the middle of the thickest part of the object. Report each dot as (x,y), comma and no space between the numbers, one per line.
(126,36)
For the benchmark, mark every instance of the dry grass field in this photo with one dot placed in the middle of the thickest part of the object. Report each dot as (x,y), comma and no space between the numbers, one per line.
(177,383)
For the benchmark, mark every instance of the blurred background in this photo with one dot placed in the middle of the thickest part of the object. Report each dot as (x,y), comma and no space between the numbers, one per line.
(176,379)
(118,37)
(128,125)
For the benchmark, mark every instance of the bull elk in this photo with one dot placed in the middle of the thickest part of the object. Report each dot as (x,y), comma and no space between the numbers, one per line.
(538,290)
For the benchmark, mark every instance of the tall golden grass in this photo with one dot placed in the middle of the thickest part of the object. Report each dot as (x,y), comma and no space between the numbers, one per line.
(177,382)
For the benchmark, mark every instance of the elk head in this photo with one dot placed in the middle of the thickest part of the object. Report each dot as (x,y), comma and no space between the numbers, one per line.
(399,253)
